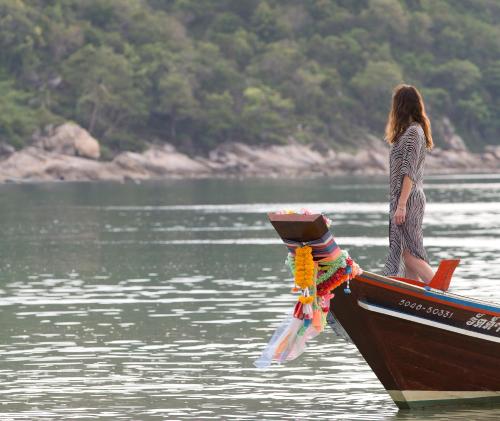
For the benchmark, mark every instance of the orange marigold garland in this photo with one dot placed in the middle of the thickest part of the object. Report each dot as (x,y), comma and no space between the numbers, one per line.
(304,267)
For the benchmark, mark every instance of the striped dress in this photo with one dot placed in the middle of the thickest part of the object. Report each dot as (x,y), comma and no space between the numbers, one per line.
(407,157)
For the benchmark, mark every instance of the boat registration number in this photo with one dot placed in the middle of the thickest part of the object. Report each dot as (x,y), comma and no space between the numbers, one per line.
(445,314)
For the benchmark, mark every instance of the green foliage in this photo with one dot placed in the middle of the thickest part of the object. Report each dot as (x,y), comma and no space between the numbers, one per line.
(200,72)
(13,120)
(474,109)
(456,75)
(265,23)
(263,118)
(373,84)
(17,119)
(176,99)
(104,95)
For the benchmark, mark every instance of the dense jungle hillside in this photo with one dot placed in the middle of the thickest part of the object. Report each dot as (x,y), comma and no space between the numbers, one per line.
(197,73)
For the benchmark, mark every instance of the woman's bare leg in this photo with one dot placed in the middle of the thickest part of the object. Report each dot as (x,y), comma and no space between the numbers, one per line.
(415,265)
(411,274)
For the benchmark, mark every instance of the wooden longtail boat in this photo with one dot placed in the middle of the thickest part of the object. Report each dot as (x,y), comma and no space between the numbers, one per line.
(427,346)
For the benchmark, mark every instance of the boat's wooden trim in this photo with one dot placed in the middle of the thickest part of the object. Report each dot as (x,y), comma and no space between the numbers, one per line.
(427,322)
(420,398)
(431,294)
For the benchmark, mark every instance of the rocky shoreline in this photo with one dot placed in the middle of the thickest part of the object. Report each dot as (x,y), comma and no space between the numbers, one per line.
(69,153)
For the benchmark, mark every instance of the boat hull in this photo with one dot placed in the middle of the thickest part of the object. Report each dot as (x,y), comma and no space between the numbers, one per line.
(427,348)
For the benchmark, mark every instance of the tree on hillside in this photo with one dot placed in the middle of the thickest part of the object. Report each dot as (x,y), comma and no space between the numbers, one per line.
(176,100)
(264,113)
(202,72)
(373,86)
(105,96)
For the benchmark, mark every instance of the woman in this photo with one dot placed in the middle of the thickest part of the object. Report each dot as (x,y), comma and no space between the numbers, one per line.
(408,132)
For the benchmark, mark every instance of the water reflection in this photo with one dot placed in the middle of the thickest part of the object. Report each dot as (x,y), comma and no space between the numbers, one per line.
(151,302)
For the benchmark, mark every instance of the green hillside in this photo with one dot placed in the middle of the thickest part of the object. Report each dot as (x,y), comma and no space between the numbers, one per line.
(200,72)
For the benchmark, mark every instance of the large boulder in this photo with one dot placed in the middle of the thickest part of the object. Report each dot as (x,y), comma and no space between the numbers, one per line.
(33,163)
(71,139)
(451,140)
(6,150)
(449,161)
(259,160)
(160,161)
(493,150)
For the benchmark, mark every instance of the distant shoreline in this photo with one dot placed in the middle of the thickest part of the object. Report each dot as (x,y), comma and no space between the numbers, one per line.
(119,178)
(34,166)
(69,153)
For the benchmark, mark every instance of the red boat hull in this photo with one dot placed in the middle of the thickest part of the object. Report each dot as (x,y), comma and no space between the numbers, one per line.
(426,347)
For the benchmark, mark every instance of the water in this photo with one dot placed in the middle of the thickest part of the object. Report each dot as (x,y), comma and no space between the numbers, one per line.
(151,301)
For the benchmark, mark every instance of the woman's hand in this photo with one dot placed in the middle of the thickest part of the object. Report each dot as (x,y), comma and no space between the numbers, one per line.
(400,215)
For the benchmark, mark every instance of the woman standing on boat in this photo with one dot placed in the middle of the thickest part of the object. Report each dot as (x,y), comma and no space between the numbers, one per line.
(408,132)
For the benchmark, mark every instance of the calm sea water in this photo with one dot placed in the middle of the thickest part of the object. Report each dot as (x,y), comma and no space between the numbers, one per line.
(151,301)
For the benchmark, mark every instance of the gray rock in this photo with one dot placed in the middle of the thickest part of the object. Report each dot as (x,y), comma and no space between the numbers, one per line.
(71,139)
(53,158)
(36,164)
(6,150)
(289,159)
(159,161)
(494,150)
(449,136)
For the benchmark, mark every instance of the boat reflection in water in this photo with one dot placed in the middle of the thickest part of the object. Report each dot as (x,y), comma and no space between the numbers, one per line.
(428,347)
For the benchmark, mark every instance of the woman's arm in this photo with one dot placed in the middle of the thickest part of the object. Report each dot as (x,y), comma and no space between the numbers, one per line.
(414,143)
(400,214)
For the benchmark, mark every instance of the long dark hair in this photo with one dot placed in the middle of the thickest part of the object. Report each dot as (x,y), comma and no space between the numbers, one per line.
(407,107)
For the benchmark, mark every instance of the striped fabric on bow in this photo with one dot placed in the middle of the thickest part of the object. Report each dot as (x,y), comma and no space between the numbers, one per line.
(324,247)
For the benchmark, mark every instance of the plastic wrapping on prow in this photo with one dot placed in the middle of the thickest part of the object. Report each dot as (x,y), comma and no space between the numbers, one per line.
(285,344)
(278,337)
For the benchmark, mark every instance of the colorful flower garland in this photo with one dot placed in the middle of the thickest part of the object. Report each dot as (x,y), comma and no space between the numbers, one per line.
(315,281)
